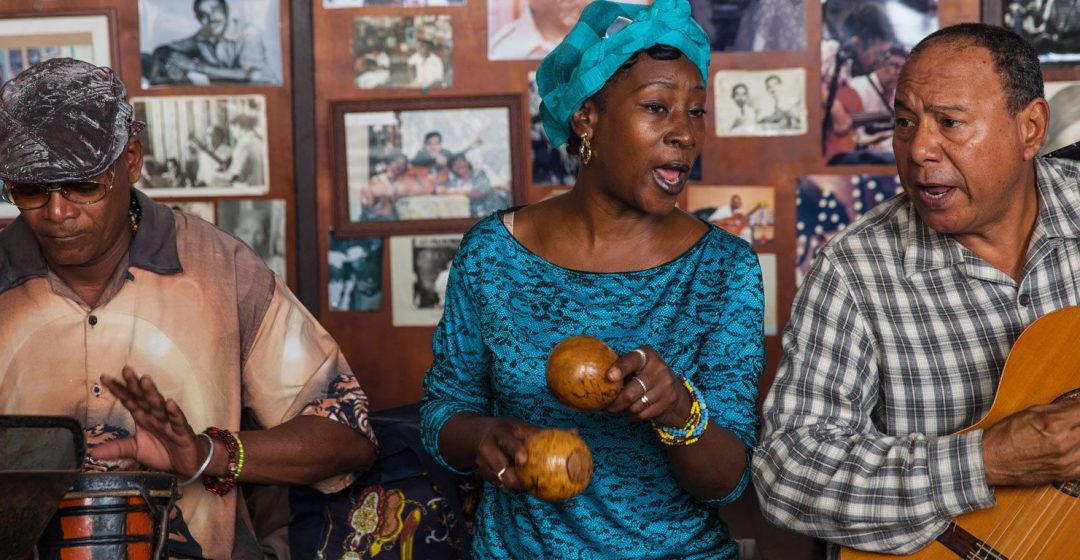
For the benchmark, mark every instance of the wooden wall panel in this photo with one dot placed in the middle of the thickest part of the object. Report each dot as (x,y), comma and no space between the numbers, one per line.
(391,361)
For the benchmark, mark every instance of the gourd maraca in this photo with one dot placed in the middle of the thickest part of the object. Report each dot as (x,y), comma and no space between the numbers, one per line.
(560,465)
(576,370)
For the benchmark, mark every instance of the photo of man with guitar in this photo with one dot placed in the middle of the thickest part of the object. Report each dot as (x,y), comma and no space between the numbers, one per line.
(861,53)
(926,402)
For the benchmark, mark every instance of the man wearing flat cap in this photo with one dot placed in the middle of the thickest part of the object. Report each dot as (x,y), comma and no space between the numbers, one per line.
(161,334)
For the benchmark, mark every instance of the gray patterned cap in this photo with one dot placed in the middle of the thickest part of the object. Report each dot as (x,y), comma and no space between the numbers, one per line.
(63,120)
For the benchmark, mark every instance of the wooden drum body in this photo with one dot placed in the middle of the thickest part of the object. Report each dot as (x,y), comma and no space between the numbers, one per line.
(118,515)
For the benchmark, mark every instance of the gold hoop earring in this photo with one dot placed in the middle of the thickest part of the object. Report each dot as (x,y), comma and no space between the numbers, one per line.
(585,150)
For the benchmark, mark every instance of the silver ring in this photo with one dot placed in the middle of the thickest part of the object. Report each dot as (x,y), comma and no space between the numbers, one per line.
(644,387)
(499,474)
(644,357)
(645,401)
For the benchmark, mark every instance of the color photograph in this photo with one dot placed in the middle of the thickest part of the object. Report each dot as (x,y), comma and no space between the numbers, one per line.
(743,211)
(403,52)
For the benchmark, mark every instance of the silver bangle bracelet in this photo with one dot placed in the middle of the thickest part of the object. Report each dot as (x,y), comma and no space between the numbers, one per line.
(205,463)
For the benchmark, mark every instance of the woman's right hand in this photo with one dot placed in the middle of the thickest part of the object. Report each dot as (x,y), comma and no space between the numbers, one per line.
(500,449)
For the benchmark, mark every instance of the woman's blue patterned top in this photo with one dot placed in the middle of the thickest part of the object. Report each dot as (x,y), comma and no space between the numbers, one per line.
(506,308)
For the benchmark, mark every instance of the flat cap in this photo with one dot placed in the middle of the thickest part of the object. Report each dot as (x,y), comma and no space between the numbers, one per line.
(62,120)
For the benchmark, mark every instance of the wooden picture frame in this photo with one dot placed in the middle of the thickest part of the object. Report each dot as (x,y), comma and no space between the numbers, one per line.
(28,38)
(397,169)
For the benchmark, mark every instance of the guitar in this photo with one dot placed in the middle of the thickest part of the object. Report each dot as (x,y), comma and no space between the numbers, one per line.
(843,141)
(1036,522)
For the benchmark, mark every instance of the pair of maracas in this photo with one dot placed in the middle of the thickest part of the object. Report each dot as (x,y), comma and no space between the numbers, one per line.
(560,464)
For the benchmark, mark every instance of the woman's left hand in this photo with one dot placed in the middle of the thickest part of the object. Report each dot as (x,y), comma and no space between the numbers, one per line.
(651,391)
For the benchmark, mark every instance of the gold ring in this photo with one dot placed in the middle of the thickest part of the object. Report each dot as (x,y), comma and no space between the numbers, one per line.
(645,400)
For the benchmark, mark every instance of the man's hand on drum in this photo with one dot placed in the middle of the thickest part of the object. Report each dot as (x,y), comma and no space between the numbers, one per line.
(651,391)
(502,447)
(163,438)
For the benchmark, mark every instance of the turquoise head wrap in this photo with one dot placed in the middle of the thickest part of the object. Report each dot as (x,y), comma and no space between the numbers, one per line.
(606,35)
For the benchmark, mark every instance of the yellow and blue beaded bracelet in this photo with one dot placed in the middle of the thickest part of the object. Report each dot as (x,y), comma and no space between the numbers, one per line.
(695,424)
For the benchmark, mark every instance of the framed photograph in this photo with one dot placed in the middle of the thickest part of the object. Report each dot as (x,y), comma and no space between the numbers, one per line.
(201,209)
(28,40)
(403,52)
(200,146)
(762,25)
(863,46)
(260,223)
(1051,26)
(210,42)
(355,273)
(419,269)
(1064,99)
(398,3)
(424,165)
(827,204)
(529,29)
(743,211)
(760,102)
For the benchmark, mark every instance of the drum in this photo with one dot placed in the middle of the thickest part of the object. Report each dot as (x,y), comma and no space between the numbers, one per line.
(116,515)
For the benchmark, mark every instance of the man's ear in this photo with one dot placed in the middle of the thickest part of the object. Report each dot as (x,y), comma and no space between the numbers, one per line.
(1034,122)
(133,158)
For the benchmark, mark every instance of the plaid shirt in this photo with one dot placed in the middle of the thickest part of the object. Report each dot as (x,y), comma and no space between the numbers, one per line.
(897,340)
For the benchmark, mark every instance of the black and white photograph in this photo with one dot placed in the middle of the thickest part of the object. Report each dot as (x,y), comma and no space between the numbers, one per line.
(210,42)
(864,44)
(26,41)
(403,52)
(199,208)
(396,3)
(422,161)
(760,102)
(419,270)
(202,146)
(529,29)
(752,25)
(355,267)
(260,223)
(1064,99)
(550,165)
(1051,26)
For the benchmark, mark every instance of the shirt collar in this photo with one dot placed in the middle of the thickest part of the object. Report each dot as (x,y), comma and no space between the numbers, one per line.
(152,249)
(1057,182)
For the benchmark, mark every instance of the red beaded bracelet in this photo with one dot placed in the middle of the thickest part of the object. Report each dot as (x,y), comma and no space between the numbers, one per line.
(222,485)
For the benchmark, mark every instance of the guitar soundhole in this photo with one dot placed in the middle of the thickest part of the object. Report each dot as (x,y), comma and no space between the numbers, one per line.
(1072,487)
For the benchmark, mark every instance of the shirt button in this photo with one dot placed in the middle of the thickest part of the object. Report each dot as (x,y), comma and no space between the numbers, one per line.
(1025,300)
(93,320)
(96,390)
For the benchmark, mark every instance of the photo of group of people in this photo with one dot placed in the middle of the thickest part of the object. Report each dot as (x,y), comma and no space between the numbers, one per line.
(403,52)
(1051,26)
(203,145)
(428,164)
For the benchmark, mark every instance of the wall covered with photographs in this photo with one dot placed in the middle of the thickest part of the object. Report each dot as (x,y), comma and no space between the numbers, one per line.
(425,119)
(207,147)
